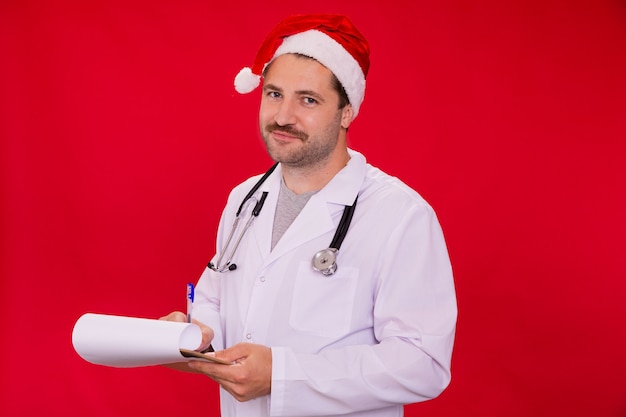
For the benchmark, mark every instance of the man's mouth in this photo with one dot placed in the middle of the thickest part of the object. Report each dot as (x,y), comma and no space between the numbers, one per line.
(286,132)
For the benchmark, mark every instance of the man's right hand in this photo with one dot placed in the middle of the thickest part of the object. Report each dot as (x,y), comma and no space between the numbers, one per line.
(207,336)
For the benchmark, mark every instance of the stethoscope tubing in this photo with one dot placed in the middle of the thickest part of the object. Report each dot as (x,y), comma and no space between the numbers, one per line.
(320,258)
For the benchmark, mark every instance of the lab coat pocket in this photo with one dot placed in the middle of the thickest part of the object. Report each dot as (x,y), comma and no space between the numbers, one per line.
(323,305)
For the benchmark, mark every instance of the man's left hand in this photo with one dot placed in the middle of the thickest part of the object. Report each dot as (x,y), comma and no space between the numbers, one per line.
(249,376)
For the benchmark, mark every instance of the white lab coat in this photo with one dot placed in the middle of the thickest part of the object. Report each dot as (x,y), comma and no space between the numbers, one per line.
(374,336)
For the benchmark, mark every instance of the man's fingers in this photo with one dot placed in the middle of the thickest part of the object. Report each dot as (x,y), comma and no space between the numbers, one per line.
(207,335)
(207,332)
(175,316)
(235,353)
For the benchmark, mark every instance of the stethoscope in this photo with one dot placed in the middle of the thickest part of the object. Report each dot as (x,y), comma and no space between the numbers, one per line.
(324,261)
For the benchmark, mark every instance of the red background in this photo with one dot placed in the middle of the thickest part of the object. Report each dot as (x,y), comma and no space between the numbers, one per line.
(121,136)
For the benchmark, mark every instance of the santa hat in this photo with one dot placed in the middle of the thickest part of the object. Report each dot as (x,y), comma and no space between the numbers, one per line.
(332,40)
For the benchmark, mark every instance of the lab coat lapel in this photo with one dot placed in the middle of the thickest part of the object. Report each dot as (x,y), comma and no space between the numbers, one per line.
(314,220)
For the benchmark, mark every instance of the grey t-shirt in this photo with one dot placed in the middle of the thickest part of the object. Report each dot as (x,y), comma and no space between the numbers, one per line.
(289,206)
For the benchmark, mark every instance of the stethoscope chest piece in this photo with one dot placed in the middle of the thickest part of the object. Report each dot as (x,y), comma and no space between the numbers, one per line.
(325,261)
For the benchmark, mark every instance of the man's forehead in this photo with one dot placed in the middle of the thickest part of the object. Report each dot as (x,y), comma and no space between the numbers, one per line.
(298,67)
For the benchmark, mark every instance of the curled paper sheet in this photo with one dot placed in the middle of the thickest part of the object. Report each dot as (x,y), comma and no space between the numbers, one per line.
(126,342)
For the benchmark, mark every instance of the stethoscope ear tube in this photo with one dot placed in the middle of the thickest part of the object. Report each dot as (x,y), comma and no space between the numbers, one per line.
(344,224)
(255,188)
(228,266)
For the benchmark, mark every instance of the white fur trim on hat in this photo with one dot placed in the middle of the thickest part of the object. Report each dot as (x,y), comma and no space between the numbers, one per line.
(333,56)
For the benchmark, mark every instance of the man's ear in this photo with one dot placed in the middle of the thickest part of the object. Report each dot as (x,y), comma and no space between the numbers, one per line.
(347,116)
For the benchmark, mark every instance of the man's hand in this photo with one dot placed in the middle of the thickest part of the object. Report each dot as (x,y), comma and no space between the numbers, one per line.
(207,337)
(207,332)
(250,375)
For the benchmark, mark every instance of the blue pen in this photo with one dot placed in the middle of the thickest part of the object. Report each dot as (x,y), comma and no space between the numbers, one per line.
(190,296)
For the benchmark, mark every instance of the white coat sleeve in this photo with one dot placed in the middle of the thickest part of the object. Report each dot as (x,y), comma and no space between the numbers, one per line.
(207,305)
(207,301)
(414,321)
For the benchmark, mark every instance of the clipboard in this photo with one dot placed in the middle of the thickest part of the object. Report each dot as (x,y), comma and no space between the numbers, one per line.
(194,354)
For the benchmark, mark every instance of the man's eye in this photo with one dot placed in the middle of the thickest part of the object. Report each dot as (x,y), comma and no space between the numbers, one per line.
(309,100)
(273,94)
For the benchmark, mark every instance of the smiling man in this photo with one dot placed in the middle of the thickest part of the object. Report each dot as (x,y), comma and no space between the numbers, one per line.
(302,122)
(338,297)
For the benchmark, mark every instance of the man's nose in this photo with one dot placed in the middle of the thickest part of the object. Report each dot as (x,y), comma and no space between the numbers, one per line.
(285,113)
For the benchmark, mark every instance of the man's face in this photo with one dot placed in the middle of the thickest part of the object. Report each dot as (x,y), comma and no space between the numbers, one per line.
(299,117)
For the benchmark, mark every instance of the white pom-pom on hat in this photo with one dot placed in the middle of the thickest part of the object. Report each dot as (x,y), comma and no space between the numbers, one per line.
(246,81)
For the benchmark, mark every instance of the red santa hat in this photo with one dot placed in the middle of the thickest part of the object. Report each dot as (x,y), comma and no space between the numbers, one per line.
(332,40)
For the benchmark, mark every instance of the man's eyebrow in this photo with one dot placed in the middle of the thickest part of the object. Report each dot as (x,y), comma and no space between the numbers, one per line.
(304,93)
(311,93)
(272,87)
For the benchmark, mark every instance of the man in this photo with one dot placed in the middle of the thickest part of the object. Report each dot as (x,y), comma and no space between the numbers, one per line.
(356,331)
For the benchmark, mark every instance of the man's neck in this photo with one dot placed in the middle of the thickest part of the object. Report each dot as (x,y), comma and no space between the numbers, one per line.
(305,179)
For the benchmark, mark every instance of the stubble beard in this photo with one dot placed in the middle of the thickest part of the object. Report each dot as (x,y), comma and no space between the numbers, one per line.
(312,152)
